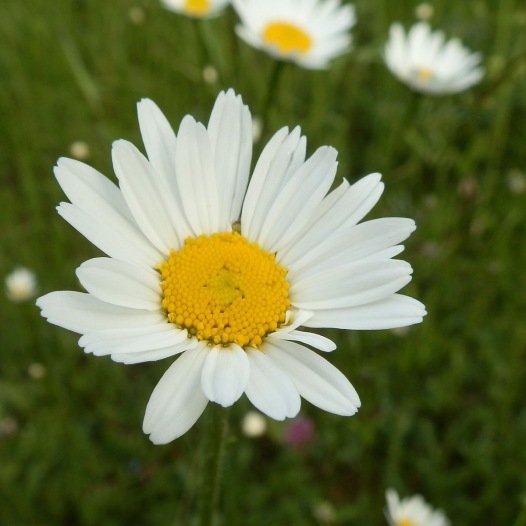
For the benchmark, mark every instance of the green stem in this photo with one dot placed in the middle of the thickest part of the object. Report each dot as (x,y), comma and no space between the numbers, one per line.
(215,445)
(204,52)
(273,84)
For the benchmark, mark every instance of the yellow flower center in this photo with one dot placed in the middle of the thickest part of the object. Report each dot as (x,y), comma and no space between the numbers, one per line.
(224,289)
(405,522)
(424,75)
(197,7)
(287,37)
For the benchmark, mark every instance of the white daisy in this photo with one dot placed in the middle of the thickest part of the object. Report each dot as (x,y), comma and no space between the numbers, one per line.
(254,424)
(423,60)
(412,511)
(204,264)
(308,32)
(21,284)
(196,8)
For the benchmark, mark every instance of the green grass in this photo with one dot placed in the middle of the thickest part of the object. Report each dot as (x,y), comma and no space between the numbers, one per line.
(443,403)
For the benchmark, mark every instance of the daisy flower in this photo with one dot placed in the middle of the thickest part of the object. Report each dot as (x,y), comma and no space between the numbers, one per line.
(308,32)
(203,264)
(423,60)
(412,511)
(196,8)
(21,284)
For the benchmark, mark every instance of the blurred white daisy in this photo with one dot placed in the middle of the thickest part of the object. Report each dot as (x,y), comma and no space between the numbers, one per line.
(424,11)
(204,264)
(196,8)
(308,32)
(80,150)
(423,60)
(21,284)
(412,511)
(210,74)
(254,424)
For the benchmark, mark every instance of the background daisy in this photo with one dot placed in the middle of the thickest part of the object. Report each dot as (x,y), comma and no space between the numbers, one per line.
(412,511)
(308,32)
(423,60)
(196,8)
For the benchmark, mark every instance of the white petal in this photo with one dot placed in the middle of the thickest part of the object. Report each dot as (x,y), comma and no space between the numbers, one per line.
(297,200)
(353,243)
(83,313)
(121,283)
(140,187)
(351,285)
(229,130)
(288,331)
(152,355)
(280,158)
(225,374)
(395,311)
(108,239)
(140,339)
(316,379)
(196,177)
(100,214)
(178,400)
(160,143)
(269,389)
(88,189)
(310,338)
(345,208)
(294,319)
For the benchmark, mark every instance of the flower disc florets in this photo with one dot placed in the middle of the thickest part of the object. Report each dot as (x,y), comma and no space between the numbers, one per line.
(287,38)
(224,289)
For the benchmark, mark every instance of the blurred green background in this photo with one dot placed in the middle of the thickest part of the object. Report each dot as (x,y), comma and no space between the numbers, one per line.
(443,403)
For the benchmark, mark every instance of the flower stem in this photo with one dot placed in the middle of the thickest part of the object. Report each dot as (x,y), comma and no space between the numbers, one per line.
(215,445)
(273,84)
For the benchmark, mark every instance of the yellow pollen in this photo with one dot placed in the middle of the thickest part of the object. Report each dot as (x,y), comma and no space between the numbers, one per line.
(287,37)
(405,522)
(197,7)
(224,289)
(424,74)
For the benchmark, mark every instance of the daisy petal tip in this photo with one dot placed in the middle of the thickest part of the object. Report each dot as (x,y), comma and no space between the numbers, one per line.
(40,301)
(145,101)
(60,165)
(158,439)
(225,374)
(120,147)
(330,347)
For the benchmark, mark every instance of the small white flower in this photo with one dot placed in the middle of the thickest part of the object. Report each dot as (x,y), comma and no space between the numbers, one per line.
(196,8)
(423,60)
(223,272)
(412,511)
(308,32)
(254,424)
(136,15)
(79,150)
(324,512)
(8,426)
(424,11)
(36,371)
(516,182)
(21,284)
(210,74)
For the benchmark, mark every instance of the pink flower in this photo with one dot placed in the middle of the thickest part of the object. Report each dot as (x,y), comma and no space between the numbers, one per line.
(299,432)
